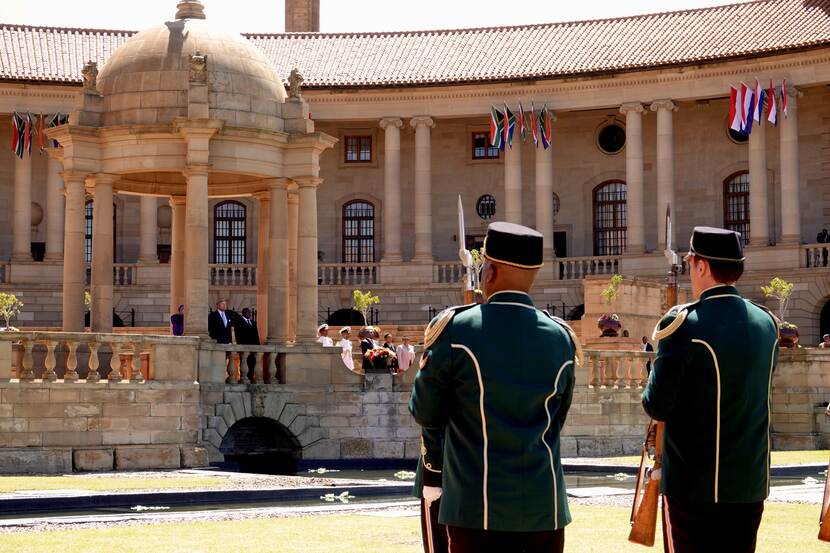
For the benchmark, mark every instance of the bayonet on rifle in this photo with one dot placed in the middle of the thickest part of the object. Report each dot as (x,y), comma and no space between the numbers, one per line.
(465,256)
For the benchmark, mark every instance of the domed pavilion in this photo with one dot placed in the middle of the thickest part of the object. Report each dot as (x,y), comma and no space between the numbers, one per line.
(188,112)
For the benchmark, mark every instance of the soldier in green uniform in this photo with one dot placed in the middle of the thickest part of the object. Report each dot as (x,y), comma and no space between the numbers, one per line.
(710,384)
(497,378)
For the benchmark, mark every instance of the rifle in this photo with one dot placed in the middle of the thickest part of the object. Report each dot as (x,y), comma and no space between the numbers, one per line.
(824,520)
(466,257)
(644,509)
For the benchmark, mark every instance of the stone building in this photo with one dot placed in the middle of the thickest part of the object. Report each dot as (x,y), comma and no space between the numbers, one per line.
(640,106)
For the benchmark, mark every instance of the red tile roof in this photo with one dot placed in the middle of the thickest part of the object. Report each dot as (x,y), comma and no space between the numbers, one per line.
(765,27)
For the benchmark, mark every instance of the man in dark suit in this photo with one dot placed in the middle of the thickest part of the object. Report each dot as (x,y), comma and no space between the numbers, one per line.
(219,323)
(647,347)
(246,334)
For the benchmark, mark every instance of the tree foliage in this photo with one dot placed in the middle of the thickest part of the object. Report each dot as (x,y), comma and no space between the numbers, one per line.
(610,292)
(363,301)
(10,307)
(781,290)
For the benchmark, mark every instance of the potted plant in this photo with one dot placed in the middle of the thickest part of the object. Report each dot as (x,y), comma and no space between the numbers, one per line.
(609,323)
(9,308)
(781,290)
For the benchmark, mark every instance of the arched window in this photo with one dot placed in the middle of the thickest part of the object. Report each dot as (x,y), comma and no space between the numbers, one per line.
(610,218)
(229,233)
(358,232)
(88,212)
(736,204)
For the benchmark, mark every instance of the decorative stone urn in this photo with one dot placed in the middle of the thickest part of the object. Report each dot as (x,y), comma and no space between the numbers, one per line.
(609,324)
(787,335)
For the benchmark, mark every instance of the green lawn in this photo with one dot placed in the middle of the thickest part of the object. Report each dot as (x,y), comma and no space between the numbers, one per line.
(778,458)
(125,482)
(785,528)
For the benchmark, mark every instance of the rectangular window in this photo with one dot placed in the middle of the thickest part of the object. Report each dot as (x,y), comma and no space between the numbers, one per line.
(482,148)
(357,149)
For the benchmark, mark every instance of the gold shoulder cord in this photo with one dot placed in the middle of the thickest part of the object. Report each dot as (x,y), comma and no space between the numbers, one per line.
(434,330)
(671,328)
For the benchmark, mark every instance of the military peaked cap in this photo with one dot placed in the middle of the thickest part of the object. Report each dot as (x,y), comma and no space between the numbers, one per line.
(716,244)
(514,245)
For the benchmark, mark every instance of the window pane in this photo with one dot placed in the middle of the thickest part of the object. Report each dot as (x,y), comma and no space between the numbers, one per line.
(610,219)
(229,230)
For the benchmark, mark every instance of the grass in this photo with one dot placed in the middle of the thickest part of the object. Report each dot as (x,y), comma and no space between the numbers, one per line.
(595,530)
(125,482)
(778,458)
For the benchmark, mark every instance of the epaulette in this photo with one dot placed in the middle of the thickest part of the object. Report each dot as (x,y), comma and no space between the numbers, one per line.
(579,357)
(440,322)
(680,313)
(768,311)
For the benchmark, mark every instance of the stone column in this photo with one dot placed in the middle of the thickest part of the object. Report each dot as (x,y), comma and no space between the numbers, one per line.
(790,204)
(513,182)
(278,274)
(293,214)
(74,268)
(102,254)
(423,187)
(635,239)
(22,229)
(307,310)
(263,260)
(758,197)
(177,253)
(544,199)
(54,211)
(149,233)
(391,191)
(665,169)
(196,245)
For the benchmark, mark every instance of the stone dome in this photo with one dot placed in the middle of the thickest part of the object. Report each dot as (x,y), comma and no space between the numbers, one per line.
(146,80)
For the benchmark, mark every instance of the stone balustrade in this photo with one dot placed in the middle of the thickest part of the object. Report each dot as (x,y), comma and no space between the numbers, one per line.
(232,276)
(68,357)
(447,272)
(815,256)
(341,274)
(579,267)
(125,274)
(615,369)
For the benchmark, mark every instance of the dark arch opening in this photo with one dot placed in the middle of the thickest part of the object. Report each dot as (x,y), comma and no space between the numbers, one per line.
(261,445)
(824,320)
(346,317)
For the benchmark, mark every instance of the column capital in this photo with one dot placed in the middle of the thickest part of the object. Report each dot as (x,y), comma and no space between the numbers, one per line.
(176,201)
(308,182)
(422,121)
(263,196)
(391,122)
(196,170)
(74,176)
(666,105)
(279,184)
(631,107)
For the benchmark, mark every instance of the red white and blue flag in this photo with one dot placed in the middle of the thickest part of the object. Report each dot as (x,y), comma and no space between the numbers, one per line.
(746,102)
(758,112)
(544,119)
(735,109)
(772,108)
(784,98)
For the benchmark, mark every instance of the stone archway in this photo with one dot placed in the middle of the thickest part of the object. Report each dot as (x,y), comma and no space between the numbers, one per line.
(261,445)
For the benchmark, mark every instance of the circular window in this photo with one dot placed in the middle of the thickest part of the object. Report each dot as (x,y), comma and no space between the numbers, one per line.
(737,137)
(555,204)
(611,138)
(486,206)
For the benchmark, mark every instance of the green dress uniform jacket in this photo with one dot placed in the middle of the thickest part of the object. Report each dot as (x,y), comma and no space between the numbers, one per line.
(498,378)
(430,462)
(711,386)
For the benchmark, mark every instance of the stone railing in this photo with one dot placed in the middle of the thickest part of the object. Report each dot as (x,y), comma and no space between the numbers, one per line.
(579,267)
(815,256)
(232,276)
(447,272)
(92,357)
(125,274)
(339,274)
(616,369)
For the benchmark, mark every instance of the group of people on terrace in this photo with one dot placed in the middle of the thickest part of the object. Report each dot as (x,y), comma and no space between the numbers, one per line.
(377,357)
